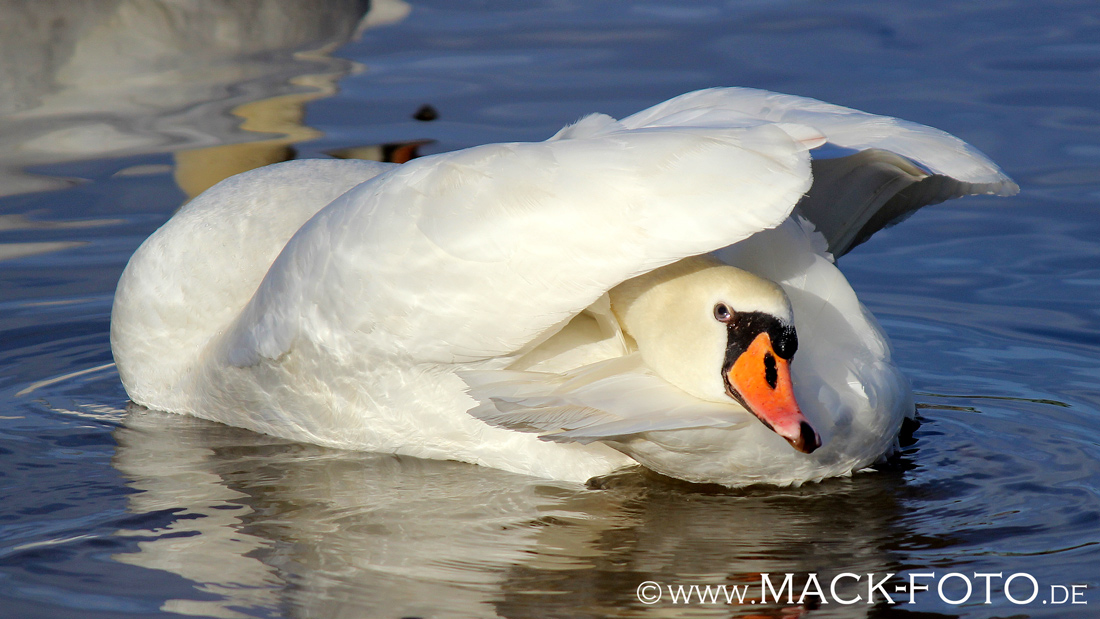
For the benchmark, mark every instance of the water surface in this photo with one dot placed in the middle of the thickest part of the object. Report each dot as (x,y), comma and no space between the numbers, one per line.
(113,114)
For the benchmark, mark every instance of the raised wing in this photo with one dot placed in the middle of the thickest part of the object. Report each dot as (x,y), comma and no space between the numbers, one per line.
(476,254)
(480,253)
(873,170)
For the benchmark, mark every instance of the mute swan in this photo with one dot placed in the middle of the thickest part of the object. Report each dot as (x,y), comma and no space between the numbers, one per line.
(658,290)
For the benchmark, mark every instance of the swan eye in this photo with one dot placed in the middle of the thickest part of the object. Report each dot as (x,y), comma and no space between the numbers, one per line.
(722,313)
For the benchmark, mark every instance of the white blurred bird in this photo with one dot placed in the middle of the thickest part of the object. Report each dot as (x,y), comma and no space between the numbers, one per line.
(658,289)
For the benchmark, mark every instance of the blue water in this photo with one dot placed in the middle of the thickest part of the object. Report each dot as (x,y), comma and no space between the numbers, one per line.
(112,114)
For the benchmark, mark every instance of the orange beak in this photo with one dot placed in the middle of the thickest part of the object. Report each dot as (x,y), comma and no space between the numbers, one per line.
(761,381)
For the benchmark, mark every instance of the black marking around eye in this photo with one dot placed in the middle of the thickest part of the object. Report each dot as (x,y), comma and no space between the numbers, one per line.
(745,326)
(770,373)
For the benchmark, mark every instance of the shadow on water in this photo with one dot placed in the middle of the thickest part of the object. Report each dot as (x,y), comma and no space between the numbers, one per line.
(268,524)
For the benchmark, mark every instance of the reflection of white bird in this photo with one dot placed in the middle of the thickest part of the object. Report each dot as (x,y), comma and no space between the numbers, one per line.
(87,80)
(578,291)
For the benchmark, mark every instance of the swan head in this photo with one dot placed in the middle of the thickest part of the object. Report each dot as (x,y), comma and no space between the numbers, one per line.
(718,333)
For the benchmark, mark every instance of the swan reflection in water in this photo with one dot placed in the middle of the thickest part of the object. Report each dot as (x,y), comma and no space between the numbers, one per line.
(262,524)
(220,85)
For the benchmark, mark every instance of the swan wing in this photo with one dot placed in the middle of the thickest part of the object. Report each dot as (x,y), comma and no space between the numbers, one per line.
(477,254)
(608,400)
(871,172)
(481,253)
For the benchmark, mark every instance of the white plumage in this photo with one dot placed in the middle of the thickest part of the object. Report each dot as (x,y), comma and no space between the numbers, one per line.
(355,304)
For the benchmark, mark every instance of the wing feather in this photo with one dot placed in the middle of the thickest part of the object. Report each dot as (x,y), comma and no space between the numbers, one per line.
(472,255)
(613,399)
(875,170)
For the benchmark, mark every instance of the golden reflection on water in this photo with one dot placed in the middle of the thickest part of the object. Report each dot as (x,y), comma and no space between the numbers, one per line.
(261,523)
(198,169)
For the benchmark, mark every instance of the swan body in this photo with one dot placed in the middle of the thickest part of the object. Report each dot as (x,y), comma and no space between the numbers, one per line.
(554,308)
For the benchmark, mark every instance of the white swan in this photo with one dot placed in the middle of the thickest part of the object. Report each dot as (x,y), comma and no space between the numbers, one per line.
(472,306)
